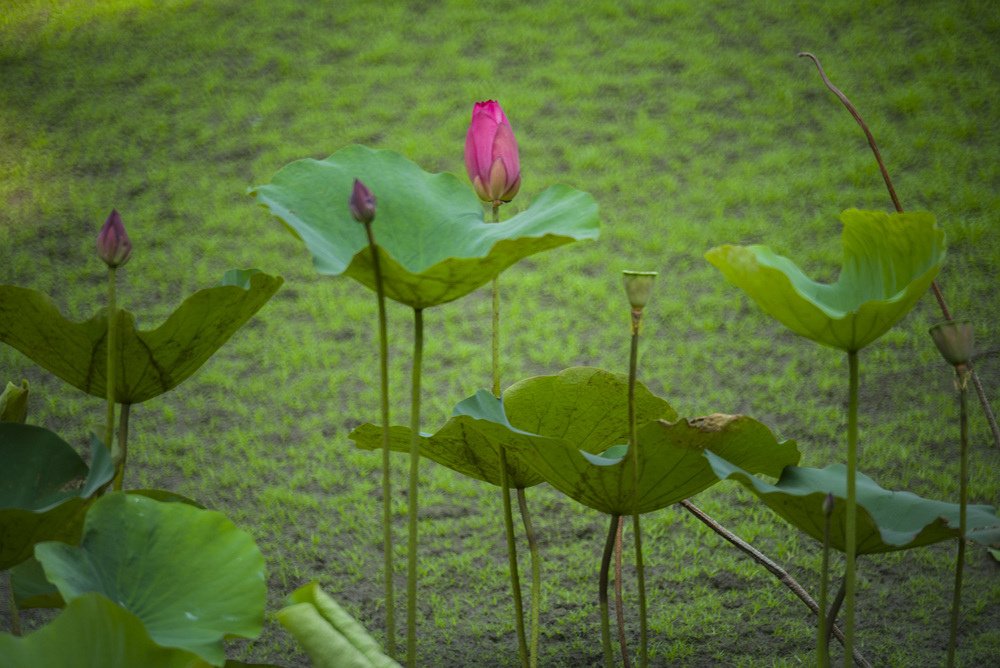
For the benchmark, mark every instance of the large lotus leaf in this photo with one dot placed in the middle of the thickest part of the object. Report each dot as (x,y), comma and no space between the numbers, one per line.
(92,632)
(190,575)
(889,262)
(45,489)
(150,362)
(886,521)
(583,406)
(330,636)
(434,245)
(671,466)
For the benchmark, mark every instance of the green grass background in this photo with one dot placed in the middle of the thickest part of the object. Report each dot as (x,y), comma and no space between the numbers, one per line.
(692,123)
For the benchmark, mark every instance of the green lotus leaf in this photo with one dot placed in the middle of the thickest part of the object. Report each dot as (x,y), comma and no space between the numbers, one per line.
(150,362)
(583,406)
(190,575)
(330,636)
(886,521)
(433,243)
(45,489)
(92,631)
(890,260)
(671,465)
(14,403)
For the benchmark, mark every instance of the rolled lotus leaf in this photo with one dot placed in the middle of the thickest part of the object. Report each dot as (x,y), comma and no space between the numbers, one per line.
(92,631)
(190,575)
(890,260)
(149,362)
(14,402)
(886,521)
(45,489)
(330,636)
(585,406)
(434,245)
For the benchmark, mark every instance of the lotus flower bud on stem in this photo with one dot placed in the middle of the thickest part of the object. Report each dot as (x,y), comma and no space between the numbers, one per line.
(491,158)
(362,203)
(638,289)
(113,244)
(828,504)
(955,340)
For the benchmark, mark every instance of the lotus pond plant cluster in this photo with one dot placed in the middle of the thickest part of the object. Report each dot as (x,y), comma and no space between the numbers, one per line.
(146,577)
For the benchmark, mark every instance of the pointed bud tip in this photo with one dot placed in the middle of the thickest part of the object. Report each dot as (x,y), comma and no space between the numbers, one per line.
(638,287)
(362,203)
(828,504)
(113,245)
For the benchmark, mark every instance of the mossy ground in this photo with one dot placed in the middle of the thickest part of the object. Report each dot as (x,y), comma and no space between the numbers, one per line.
(693,124)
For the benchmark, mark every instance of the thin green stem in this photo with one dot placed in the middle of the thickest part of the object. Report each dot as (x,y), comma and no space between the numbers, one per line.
(536,577)
(383,341)
(123,444)
(109,427)
(850,519)
(411,557)
(823,637)
(496,320)
(609,546)
(619,600)
(515,578)
(963,498)
(15,614)
(633,452)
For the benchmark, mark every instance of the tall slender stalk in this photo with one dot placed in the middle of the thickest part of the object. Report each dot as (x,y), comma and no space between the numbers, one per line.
(823,636)
(850,519)
(411,557)
(536,576)
(508,514)
(383,341)
(123,444)
(633,451)
(935,288)
(619,599)
(961,379)
(15,615)
(609,545)
(109,426)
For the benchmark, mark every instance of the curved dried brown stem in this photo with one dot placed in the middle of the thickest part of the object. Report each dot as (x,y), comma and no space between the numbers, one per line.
(935,288)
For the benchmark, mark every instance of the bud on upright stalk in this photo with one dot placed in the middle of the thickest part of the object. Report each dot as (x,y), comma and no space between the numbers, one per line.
(362,203)
(638,289)
(113,244)
(491,154)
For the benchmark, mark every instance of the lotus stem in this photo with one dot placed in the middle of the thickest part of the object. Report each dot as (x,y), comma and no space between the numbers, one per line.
(109,386)
(783,576)
(963,487)
(508,514)
(15,615)
(838,601)
(536,576)
(123,444)
(383,340)
(850,519)
(411,570)
(619,601)
(633,453)
(515,578)
(823,634)
(935,288)
(609,544)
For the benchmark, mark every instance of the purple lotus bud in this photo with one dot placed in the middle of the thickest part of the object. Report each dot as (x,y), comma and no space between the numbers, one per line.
(491,158)
(113,244)
(362,203)
(828,504)
(955,341)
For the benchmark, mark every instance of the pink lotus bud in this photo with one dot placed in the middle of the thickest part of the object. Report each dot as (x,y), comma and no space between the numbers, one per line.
(491,154)
(113,245)
(362,203)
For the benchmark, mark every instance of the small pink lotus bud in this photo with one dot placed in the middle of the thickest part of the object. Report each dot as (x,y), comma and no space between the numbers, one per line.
(828,504)
(113,244)
(491,154)
(362,203)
